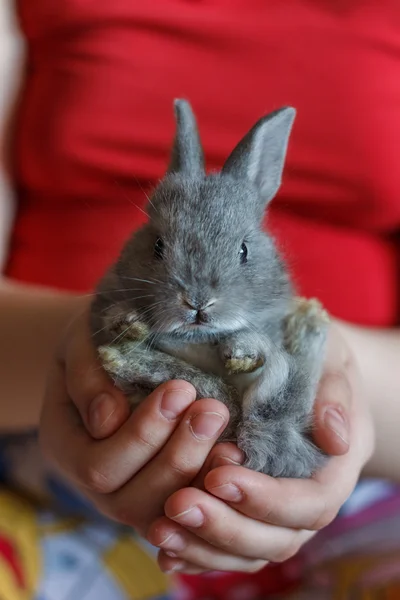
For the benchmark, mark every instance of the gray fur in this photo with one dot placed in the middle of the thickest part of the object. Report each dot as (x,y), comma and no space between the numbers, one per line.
(260,155)
(187,152)
(259,349)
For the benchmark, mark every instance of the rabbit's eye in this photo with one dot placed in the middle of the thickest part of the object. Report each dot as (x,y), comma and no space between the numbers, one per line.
(159,248)
(243,253)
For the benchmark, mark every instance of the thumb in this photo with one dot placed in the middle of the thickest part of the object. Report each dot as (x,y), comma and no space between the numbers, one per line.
(332,412)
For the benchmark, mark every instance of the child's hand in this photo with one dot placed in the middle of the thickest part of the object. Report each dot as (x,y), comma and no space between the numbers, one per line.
(137,461)
(246,519)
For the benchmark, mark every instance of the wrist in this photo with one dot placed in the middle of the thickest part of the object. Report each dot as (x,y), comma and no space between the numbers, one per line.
(32,320)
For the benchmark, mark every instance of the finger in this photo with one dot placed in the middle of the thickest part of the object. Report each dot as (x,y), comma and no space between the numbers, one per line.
(228,530)
(102,407)
(224,453)
(333,413)
(171,565)
(178,462)
(102,466)
(296,503)
(177,542)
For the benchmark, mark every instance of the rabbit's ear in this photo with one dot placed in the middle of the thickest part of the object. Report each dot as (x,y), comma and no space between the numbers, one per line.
(187,153)
(260,155)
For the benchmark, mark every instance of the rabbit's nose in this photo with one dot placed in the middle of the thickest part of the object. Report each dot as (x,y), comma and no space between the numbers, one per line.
(202,317)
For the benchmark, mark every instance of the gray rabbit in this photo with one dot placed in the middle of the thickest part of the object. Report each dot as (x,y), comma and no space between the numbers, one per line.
(200,293)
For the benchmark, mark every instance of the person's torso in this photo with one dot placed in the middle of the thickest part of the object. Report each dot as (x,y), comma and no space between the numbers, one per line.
(96,121)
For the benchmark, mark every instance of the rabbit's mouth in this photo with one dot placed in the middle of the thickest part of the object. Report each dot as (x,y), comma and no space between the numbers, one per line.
(204,323)
(198,325)
(198,330)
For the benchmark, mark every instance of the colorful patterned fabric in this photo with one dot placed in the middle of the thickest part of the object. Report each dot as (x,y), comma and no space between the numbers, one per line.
(46,556)
(54,546)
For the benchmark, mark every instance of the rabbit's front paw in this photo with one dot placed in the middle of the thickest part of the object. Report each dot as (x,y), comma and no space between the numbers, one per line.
(308,322)
(130,328)
(240,356)
(123,325)
(112,359)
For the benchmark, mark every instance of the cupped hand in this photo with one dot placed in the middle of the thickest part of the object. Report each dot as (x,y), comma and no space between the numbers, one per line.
(239,520)
(127,465)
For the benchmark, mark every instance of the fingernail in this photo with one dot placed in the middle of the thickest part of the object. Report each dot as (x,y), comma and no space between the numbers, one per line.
(173,543)
(335,420)
(227,491)
(100,411)
(174,402)
(223,461)
(206,425)
(179,566)
(192,517)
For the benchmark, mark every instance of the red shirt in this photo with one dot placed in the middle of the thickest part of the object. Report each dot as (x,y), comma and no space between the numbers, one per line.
(96,125)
